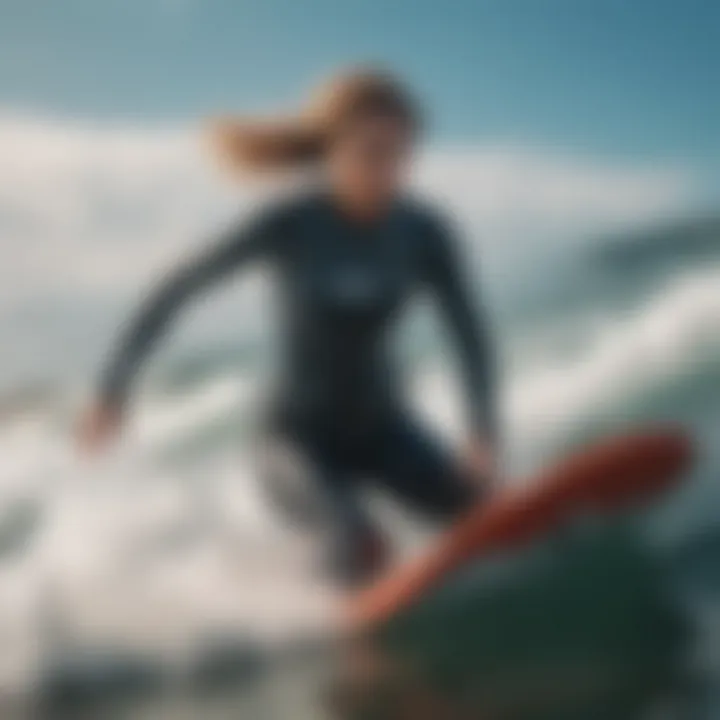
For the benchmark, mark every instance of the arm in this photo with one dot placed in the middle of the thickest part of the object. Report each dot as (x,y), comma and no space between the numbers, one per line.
(233,251)
(469,328)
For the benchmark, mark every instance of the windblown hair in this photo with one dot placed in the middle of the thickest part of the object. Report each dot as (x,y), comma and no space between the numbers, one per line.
(258,145)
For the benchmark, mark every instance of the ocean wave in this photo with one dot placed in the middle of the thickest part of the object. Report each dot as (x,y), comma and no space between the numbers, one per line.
(625,357)
(100,208)
(694,239)
(168,540)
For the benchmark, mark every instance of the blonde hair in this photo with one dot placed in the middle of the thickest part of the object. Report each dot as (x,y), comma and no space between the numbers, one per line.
(258,145)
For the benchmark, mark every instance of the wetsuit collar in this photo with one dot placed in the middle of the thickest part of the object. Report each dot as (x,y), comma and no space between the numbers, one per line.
(372,226)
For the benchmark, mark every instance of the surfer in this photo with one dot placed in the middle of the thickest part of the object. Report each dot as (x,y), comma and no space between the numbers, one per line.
(347,257)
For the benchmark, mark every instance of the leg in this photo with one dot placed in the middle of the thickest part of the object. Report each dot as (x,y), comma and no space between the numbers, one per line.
(414,466)
(313,487)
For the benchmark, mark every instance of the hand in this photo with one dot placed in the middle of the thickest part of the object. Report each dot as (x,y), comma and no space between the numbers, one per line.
(480,463)
(99,427)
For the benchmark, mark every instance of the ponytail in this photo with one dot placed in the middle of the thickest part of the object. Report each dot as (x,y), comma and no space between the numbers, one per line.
(260,146)
(301,142)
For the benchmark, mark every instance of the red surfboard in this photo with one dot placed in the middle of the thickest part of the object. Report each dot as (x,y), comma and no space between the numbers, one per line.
(609,476)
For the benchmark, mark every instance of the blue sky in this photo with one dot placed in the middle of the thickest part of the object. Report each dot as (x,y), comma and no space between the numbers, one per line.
(631,78)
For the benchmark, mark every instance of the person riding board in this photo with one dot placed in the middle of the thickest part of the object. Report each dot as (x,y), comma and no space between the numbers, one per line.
(347,257)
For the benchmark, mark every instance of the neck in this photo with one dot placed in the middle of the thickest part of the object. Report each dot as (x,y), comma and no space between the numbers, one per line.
(361,210)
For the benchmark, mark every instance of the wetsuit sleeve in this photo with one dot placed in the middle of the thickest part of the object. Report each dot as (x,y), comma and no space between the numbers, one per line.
(235,249)
(469,326)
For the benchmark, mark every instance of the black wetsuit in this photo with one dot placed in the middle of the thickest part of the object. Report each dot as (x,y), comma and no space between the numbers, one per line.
(342,287)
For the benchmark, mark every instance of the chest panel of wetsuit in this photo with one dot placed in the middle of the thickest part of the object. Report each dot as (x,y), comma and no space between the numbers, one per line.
(344,286)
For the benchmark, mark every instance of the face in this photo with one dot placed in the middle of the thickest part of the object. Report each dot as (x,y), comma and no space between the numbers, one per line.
(368,162)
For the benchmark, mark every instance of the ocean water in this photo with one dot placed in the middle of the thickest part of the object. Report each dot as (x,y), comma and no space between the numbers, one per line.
(602,280)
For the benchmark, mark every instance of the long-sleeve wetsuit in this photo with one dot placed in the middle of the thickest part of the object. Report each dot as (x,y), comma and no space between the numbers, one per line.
(342,287)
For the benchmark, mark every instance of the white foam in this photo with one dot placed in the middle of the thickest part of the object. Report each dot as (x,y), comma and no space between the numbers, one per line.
(205,531)
(623,356)
(670,333)
(179,417)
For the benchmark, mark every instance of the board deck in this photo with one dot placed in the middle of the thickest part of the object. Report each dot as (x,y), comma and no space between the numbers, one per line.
(607,477)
